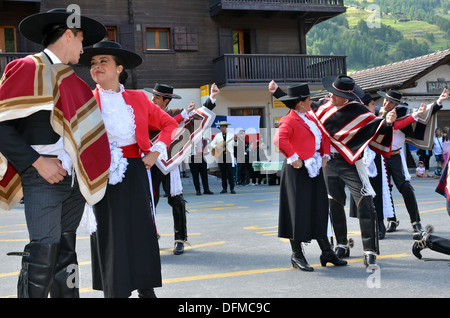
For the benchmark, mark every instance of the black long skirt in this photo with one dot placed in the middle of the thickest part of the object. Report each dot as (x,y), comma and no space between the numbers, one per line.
(303,213)
(125,250)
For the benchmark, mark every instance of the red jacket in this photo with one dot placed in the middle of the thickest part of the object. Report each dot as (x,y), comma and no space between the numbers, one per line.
(295,136)
(147,114)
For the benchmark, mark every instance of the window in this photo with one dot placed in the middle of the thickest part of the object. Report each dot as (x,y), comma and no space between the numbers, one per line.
(111,33)
(241,42)
(250,111)
(157,39)
(8,39)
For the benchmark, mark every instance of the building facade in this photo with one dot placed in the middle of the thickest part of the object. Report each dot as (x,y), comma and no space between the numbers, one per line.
(238,44)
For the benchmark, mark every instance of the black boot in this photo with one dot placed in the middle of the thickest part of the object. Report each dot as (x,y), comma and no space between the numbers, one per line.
(342,251)
(392,225)
(179,220)
(381,230)
(328,256)
(178,247)
(417,227)
(146,293)
(38,270)
(419,244)
(427,240)
(370,260)
(65,284)
(298,260)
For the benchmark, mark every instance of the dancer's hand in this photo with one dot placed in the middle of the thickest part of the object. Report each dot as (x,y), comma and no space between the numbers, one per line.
(273,86)
(50,169)
(297,164)
(444,96)
(391,117)
(150,158)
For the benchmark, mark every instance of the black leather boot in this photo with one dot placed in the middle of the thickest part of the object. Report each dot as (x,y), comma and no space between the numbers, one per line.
(417,227)
(38,270)
(65,283)
(328,256)
(178,248)
(342,251)
(427,240)
(368,224)
(339,221)
(370,260)
(381,230)
(298,260)
(392,226)
(179,221)
(146,293)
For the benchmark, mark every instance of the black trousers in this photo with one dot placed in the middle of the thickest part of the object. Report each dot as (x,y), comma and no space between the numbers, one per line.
(177,202)
(53,213)
(199,168)
(51,209)
(377,185)
(438,244)
(395,171)
(339,173)
(226,171)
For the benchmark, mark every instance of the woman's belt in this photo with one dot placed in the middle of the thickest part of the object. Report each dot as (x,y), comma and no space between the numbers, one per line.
(131,151)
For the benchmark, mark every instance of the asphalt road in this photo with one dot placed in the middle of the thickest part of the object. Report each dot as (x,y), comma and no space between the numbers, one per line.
(235,252)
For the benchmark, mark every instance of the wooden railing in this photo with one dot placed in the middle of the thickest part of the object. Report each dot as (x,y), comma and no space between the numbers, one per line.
(217,6)
(290,2)
(5,58)
(230,69)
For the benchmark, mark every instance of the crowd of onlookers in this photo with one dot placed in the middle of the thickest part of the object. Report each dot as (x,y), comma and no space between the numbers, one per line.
(440,151)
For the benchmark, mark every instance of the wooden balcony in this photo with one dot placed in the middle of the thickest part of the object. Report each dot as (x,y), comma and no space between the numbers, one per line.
(5,58)
(251,69)
(217,7)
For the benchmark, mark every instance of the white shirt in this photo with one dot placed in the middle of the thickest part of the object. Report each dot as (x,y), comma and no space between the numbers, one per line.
(118,117)
(58,147)
(437,146)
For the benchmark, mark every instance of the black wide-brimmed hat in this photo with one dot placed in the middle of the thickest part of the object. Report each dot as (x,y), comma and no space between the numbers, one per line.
(127,58)
(367,98)
(394,96)
(163,90)
(297,91)
(37,26)
(343,86)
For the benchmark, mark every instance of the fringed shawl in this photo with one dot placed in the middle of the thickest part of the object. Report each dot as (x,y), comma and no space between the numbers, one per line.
(33,84)
(351,128)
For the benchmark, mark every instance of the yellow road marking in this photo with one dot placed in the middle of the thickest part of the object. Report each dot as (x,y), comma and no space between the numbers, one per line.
(260,271)
(6,232)
(12,225)
(256,227)
(434,210)
(162,252)
(206,206)
(229,274)
(215,209)
(187,247)
(12,211)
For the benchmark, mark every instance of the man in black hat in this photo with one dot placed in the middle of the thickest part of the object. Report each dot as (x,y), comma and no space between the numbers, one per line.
(419,134)
(171,182)
(351,128)
(222,147)
(197,163)
(43,141)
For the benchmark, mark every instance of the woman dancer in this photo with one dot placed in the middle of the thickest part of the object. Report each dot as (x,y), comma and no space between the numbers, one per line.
(125,250)
(303,213)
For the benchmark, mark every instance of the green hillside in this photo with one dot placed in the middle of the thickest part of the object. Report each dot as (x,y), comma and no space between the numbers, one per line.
(406,29)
